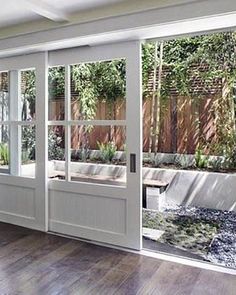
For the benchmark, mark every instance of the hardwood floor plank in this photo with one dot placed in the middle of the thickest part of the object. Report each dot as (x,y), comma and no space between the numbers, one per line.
(171,278)
(214,283)
(86,282)
(109,283)
(9,233)
(38,267)
(140,276)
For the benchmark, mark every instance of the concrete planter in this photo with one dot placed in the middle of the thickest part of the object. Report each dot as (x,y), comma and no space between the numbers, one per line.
(197,188)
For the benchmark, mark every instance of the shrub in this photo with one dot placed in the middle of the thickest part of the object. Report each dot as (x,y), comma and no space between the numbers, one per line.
(4,154)
(55,151)
(201,161)
(217,164)
(107,151)
(28,144)
(182,161)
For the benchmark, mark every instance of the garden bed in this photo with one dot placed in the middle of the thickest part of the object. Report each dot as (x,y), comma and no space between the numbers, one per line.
(207,163)
(208,233)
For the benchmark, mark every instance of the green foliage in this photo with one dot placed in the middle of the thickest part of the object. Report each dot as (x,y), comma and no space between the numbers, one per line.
(55,148)
(217,164)
(28,92)
(82,75)
(109,79)
(94,81)
(91,81)
(217,51)
(28,144)
(201,160)
(227,149)
(148,52)
(107,150)
(4,154)
(229,152)
(183,161)
(56,82)
(30,84)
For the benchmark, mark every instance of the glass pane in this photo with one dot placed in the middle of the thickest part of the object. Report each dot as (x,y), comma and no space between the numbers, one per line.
(4,96)
(28,155)
(98,90)
(4,149)
(56,84)
(98,154)
(28,95)
(56,152)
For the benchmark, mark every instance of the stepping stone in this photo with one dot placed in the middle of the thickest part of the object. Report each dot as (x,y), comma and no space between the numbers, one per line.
(152,234)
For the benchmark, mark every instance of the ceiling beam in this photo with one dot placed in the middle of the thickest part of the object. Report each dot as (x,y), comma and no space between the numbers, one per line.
(46,10)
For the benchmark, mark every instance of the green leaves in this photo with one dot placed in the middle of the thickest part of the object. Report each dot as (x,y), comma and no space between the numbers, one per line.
(201,161)
(4,154)
(56,82)
(107,150)
(205,57)
(90,82)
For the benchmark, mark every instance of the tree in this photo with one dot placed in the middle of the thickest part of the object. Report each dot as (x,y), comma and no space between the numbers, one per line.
(28,93)
(156,97)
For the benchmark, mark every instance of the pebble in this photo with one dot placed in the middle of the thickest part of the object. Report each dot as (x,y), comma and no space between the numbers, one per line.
(223,246)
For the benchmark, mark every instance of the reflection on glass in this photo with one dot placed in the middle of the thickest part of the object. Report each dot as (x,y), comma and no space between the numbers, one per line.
(4,96)
(4,149)
(28,95)
(98,90)
(98,154)
(28,154)
(56,152)
(56,84)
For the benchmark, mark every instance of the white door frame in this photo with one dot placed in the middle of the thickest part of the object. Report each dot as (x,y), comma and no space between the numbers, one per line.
(64,195)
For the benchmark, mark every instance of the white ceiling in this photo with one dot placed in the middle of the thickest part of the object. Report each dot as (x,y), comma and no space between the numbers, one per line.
(14,12)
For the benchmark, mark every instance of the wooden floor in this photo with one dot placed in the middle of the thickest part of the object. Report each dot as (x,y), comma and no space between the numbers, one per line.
(37,263)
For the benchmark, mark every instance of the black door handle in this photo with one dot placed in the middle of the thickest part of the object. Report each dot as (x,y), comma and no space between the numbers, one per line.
(133,163)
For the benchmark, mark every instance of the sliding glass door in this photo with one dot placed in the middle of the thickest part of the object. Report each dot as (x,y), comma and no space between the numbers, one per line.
(94,143)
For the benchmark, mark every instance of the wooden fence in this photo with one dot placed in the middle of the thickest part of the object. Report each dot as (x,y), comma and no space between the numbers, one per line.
(184,122)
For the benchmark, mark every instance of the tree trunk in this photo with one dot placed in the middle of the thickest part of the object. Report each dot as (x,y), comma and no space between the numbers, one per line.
(174,124)
(151,135)
(158,99)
